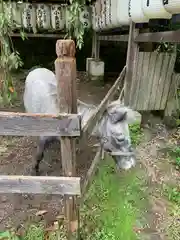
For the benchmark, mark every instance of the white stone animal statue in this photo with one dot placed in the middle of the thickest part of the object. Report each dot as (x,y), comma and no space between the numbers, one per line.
(40,96)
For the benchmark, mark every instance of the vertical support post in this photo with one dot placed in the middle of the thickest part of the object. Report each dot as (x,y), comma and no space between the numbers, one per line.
(95,46)
(65,68)
(132,54)
(2,76)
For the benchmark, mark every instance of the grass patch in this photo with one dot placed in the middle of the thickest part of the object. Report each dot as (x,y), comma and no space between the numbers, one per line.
(36,231)
(172,193)
(173,225)
(175,154)
(135,133)
(113,205)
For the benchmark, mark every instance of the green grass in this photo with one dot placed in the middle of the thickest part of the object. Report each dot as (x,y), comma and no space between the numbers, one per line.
(172,193)
(35,231)
(175,154)
(113,205)
(114,202)
(136,133)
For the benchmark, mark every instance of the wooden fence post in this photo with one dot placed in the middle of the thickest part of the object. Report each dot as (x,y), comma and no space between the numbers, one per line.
(65,68)
(95,46)
(132,54)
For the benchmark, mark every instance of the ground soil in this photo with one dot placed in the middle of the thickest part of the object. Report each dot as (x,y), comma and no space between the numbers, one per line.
(154,158)
(16,158)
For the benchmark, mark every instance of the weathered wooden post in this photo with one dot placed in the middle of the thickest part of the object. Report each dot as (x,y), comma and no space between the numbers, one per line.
(132,54)
(65,67)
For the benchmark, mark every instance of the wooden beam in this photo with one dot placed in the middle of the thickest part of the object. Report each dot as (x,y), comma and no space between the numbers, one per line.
(91,172)
(120,153)
(39,35)
(87,129)
(65,68)
(95,46)
(114,38)
(26,124)
(40,185)
(132,53)
(168,36)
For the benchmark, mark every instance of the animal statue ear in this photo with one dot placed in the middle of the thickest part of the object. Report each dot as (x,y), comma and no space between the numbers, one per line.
(118,116)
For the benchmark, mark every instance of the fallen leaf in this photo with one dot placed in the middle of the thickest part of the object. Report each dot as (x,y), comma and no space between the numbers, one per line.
(11,89)
(74,225)
(137,230)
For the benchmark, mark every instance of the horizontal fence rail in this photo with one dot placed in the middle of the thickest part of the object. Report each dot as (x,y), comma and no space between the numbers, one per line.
(114,38)
(40,185)
(39,35)
(167,36)
(25,124)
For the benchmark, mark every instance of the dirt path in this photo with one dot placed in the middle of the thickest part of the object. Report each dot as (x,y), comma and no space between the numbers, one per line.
(160,172)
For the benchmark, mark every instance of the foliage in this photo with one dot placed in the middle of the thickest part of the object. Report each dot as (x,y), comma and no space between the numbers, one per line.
(175,153)
(36,232)
(172,193)
(75,26)
(173,226)
(9,235)
(9,58)
(111,212)
(135,133)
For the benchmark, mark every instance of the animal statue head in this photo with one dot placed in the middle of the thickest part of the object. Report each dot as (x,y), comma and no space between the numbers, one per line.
(113,131)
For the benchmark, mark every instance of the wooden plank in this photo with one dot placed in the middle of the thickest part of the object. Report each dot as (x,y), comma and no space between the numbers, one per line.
(161,81)
(168,36)
(92,170)
(157,74)
(168,80)
(39,35)
(143,89)
(149,79)
(132,53)
(135,92)
(26,124)
(172,104)
(40,185)
(95,46)
(114,38)
(87,129)
(120,153)
(65,68)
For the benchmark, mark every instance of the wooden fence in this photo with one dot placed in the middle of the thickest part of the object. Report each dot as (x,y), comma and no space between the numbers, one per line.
(149,74)
(151,80)
(66,125)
